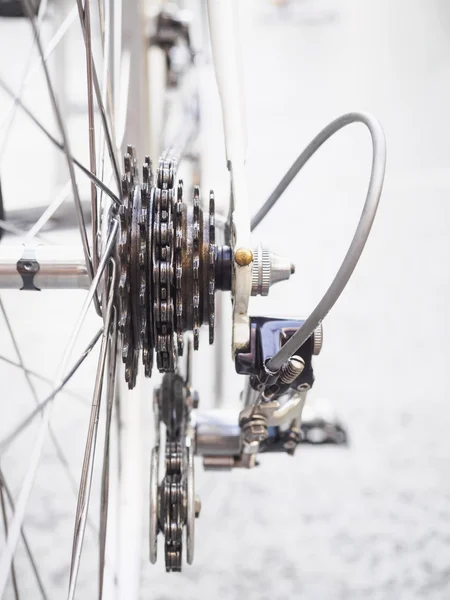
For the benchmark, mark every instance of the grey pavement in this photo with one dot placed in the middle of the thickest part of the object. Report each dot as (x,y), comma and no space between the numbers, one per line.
(370,521)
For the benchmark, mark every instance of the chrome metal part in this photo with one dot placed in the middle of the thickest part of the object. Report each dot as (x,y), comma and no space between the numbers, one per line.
(276,412)
(292,369)
(217,433)
(60,267)
(218,463)
(153,524)
(254,428)
(249,455)
(318,340)
(192,503)
(28,267)
(268,269)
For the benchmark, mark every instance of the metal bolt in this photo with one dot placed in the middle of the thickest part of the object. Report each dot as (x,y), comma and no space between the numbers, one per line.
(255,429)
(243,256)
(303,387)
(292,369)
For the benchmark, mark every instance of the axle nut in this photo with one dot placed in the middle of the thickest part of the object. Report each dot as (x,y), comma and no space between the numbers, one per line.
(243,256)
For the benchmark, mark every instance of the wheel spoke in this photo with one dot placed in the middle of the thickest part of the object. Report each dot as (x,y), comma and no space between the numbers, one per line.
(9,117)
(84,310)
(59,451)
(91,443)
(10,228)
(98,96)
(6,441)
(42,378)
(27,485)
(36,452)
(104,501)
(8,494)
(106,87)
(60,145)
(90,97)
(51,47)
(5,527)
(50,211)
(65,140)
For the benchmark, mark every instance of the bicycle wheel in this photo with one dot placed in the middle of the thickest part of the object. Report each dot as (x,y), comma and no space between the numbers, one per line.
(101,554)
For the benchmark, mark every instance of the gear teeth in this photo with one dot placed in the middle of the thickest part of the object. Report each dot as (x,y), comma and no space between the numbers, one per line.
(196,266)
(151,249)
(124,252)
(179,266)
(212,268)
(133,254)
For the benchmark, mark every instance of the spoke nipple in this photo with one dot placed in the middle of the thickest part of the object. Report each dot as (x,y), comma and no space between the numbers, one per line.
(243,256)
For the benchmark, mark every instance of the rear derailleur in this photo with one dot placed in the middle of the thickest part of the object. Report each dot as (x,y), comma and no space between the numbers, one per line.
(171,267)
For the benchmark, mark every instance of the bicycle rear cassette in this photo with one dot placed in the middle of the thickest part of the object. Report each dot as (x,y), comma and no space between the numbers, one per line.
(170,266)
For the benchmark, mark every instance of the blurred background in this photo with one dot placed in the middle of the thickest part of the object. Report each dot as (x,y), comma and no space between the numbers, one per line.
(371,520)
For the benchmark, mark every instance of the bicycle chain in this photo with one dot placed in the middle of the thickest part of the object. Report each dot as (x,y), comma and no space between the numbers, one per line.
(173,504)
(174,413)
(145,292)
(179,267)
(163,255)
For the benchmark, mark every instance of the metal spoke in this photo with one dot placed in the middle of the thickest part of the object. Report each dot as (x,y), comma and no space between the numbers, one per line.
(105,81)
(10,228)
(9,117)
(90,97)
(91,443)
(51,47)
(36,452)
(104,501)
(98,96)
(6,441)
(42,378)
(18,353)
(5,527)
(27,485)
(59,451)
(65,140)
(50,211)
(6,489)
(60,145)
(84,310)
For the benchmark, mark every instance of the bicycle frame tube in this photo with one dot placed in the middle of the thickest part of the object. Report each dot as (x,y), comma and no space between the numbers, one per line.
(225,43)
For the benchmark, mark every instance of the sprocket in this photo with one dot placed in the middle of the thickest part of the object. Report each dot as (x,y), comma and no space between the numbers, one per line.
(168,265)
